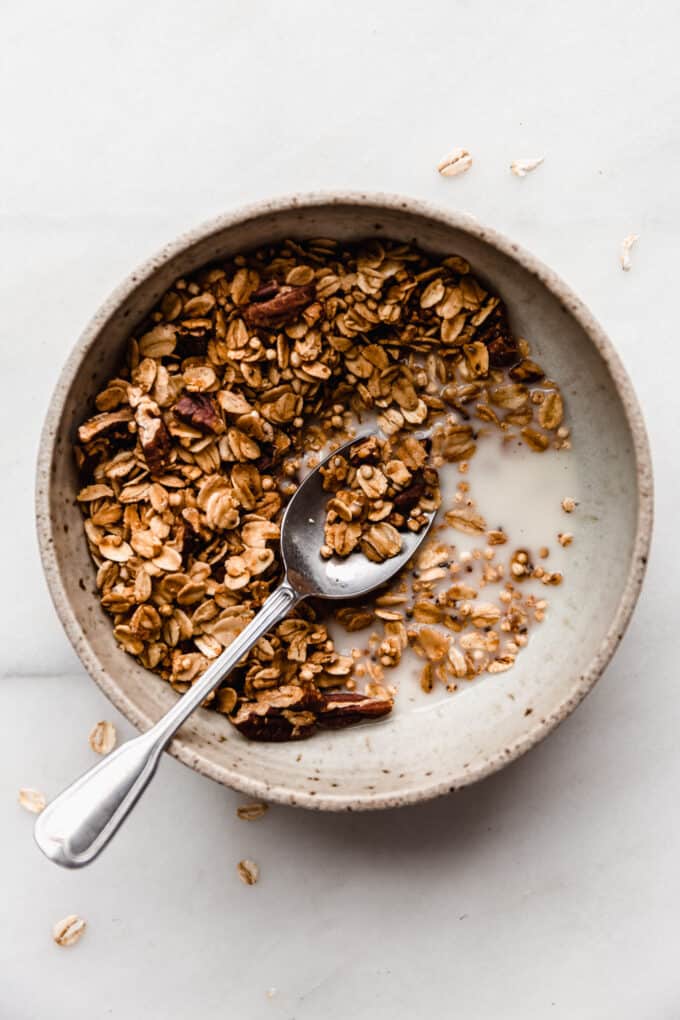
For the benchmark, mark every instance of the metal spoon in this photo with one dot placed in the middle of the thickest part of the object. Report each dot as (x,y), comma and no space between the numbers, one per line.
(79,823)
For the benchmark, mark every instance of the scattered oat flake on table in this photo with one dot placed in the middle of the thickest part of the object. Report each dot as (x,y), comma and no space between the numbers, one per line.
(626,246)
(457,162)
(251,812)
(248,872)
(522,167)
(103,737)
(32,800)
(69,930)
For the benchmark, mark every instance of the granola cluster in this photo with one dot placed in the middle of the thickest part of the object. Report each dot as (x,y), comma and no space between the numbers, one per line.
(196,443)
(380,488)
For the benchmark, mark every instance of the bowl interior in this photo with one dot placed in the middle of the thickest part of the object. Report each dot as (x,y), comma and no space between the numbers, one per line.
(426,746)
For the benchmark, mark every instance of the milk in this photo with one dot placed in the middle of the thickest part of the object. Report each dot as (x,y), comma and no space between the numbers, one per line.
(518,491)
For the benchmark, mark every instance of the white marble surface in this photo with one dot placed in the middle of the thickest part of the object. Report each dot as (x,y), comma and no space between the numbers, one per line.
(551,890)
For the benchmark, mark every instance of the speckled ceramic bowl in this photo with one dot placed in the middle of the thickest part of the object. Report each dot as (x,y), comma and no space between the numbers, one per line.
(421,750)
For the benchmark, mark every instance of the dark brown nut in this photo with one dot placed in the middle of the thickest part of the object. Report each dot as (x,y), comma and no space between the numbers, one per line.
(285,713)
(283,306)
(154,437)
(345,708)
(156,444)
(410,497)
(495,333)
(105,424)
(527,372)
(266,291)
(199,411)
(272,727)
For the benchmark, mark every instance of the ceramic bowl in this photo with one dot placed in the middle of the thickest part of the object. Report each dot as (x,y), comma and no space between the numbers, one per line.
(423,749)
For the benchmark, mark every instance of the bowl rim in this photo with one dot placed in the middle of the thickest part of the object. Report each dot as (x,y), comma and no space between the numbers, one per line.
(572,304)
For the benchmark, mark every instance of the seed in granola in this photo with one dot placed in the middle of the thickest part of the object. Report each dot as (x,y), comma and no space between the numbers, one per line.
(103,737)
(32,800)
(69,930)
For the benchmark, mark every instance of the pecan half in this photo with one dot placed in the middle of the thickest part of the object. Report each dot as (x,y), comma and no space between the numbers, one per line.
(285,713)
(199,411)
(284,304)
(154,437)
(344,708)
(410,497)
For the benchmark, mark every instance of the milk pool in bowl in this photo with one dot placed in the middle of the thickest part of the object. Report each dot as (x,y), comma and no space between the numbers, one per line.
(517,491)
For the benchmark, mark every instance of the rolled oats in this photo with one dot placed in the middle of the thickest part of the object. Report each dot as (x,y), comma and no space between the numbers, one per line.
(69,930)
(248,871)
(522,167)
(626,248)
(32,800)
(251,812)
(103,736)
(458,161)
(197,443)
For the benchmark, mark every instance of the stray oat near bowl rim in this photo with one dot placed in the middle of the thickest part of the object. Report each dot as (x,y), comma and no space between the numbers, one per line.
(423,750)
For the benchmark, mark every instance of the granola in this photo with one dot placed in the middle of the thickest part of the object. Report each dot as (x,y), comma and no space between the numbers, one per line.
(242,371)
(376,495)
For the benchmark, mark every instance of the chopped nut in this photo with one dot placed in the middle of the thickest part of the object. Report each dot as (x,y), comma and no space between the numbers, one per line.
(199,411)
(568,505)
(273,306)
(565,538)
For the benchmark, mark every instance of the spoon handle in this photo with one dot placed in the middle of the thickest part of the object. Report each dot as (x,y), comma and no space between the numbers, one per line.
(79,823)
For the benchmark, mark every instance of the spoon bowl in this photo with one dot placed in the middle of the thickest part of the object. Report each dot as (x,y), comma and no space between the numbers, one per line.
(302,535)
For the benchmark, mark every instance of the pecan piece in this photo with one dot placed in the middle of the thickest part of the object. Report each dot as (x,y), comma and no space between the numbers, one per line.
(285,713)
(495,333)
(199,411)
(154,437)
(284,304)
(104,424)
(344,708)
(410,497)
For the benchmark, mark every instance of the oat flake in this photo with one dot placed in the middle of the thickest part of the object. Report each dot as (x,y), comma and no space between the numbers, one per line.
(69,930)
(248,872)
(626,246)
(522,167)
(32,800)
